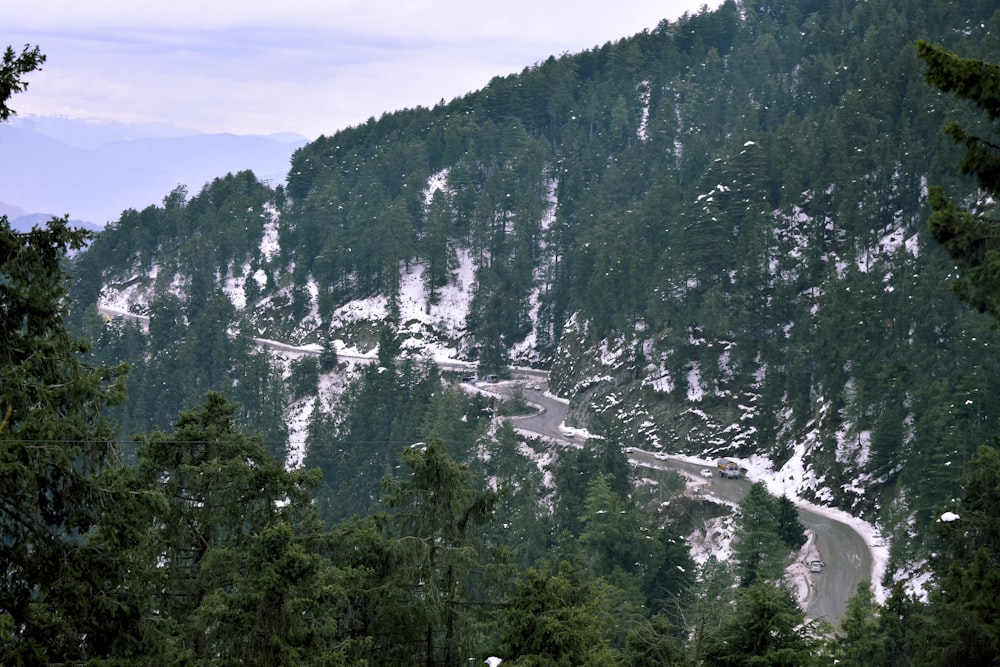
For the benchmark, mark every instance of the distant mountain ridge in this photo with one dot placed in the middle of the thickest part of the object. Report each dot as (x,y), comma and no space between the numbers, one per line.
(95,170)
(22,221)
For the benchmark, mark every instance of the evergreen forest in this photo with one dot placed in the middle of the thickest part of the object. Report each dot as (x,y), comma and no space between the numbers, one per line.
(765,231)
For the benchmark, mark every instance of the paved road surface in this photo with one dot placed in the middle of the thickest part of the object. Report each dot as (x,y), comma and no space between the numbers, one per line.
(848,563)
(846,555)
(549,420)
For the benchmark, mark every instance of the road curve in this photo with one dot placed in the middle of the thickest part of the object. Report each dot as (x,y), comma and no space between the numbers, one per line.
(846,555)
(848,562)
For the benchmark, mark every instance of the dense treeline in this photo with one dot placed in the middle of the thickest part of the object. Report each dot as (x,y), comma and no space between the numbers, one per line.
(734,177)
(209,551)
(738,193)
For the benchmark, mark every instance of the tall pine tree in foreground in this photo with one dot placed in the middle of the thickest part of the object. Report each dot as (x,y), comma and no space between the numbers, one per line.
(970,235)
(967,631)
(62,595)
(58,598)
(767,628)
(435,517)
(237,546)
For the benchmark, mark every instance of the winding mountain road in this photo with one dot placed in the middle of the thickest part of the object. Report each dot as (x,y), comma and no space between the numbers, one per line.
(847,557)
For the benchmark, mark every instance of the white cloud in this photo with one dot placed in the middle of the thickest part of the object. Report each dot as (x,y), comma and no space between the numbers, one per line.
(305,66)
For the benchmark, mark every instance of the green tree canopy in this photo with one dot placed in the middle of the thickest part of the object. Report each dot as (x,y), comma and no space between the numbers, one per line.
(12,70)
(970,235)
(434,519)
(555,618)
(54,443)
(215,546)
(968,569)
(966,610)
(759,548)
(767,629)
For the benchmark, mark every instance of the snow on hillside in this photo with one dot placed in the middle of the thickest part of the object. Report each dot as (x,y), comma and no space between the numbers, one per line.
(436,331)
(715,539)
(430,330)
(793,477)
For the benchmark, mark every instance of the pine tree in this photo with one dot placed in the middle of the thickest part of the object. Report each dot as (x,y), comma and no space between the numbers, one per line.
(432,524)
(859,642)
(12,70)
(790,528)
(282,601)
(767,628)
(438,251)
(758,549)
(970,235)
(967,613)
(906,630)
(70,517)
(611,535)
(965,603)
(222,494)
(55,442)
(654,644)
(555,618)
(523,526)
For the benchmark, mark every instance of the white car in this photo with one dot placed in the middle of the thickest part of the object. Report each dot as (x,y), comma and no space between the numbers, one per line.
(815,566)
(705,472)
(660,456)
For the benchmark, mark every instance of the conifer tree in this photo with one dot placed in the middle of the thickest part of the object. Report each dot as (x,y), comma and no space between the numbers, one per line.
(433,522)
(62,596)
(654,644)
(759,549)
(438,251)
(971,235)
(13,68)
(554,618)
(767,628)
(55,442)
(790,528)
(859,641)
(969,629)
(223,499)
(965,601)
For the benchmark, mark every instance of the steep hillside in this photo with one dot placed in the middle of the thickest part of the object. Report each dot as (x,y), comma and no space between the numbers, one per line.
(713,235)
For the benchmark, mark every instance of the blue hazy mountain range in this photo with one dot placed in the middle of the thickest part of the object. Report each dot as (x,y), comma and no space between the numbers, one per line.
(93,171)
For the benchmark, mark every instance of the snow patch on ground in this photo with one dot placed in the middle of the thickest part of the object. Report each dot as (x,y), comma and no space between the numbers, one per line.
(437,181)
(759,469)
(129,295)
(298,416)
(695,393)
(269,246)
(644,93)
(713,539)
(426,329)
(234,287)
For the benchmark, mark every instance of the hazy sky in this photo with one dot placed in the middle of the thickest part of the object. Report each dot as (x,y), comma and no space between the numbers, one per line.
(305,66)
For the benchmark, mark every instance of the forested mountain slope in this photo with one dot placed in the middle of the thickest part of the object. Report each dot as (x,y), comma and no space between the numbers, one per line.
(712,233)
